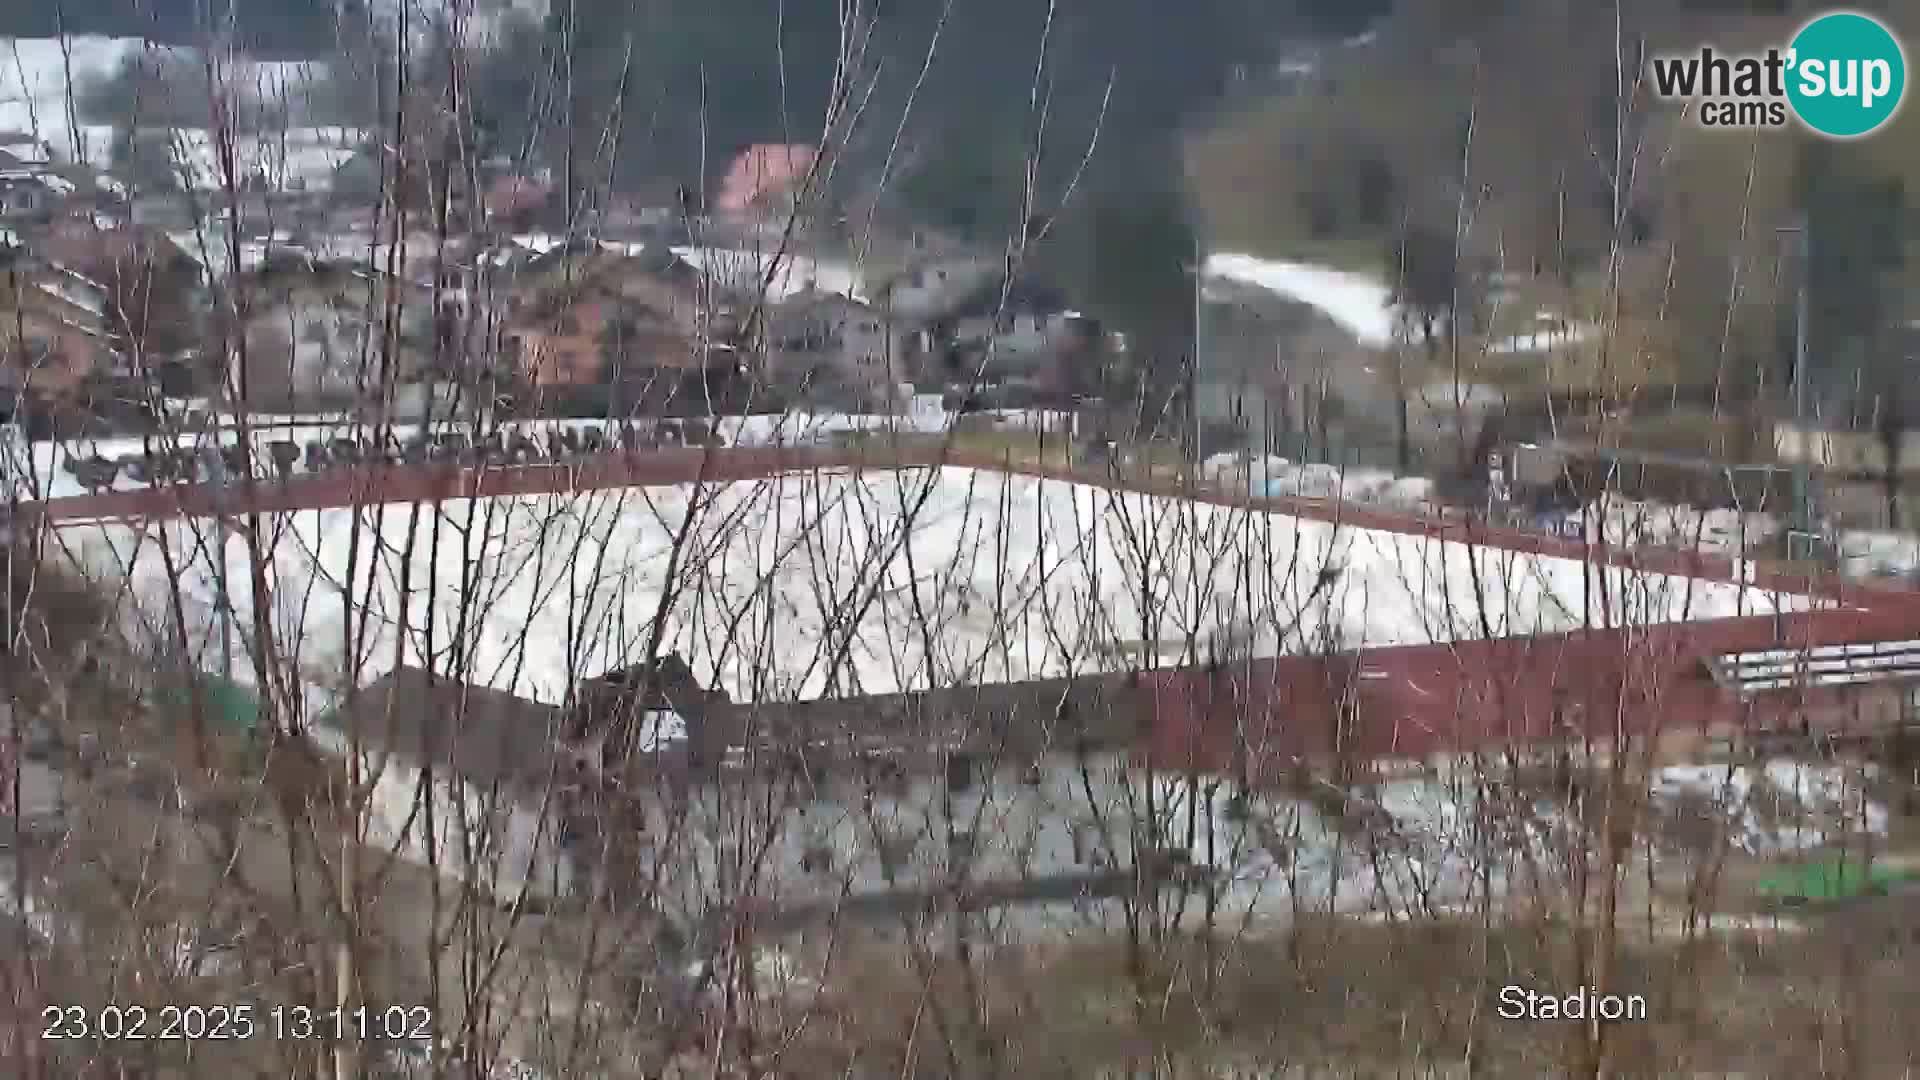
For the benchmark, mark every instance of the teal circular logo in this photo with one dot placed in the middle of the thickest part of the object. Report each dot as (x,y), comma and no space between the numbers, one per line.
(1846,74)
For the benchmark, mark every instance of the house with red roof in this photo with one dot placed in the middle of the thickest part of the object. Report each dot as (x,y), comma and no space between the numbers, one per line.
(515,200)
(766,179)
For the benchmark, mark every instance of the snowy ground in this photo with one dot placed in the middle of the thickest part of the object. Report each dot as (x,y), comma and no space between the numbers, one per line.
(1780,808)
(34,77)
(37,73)
(1633,522)
(1011,577)
(1363,305)
(795,273)
(1356,302)
(1420,855)
(1784,806)
(1867,553)
(289,158)
(1548,333)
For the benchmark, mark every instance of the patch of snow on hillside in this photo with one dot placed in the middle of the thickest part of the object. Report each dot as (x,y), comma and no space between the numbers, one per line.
(288,159)
(794,274)
(1777,809)
(1360,304)
(1410,847)
(537,242)
(34,78)
(37,75)
(91,304)
(1784,807)
(1865,553)
(210,249)
(1547,333)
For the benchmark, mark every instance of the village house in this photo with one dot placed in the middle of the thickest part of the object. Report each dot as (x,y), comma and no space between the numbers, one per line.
(642,326)
(1840,449)
(1857,432)
(23,149)
(516,202)
(816,337)
(500,769)
(315,334)
(542,793)
(1024,333)
(166,210)
(672,288)
(32,194)
(153,288)
(565,346)
(659,210)
(766,182)
(53,328)
(923,288)
(1263,373)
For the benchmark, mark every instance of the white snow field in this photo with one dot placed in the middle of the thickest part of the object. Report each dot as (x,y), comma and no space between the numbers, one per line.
(1363,305)
(784,581)
(1420,853)
(1869,553)
(1785,806)
(36,73)
(286,158)
(1548,332)
(34,76)
(790,273)
(1358,303)
(1778,808)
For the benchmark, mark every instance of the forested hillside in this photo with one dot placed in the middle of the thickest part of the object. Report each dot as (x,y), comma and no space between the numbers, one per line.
(1525,128)
(964,85)
(1181,116)
(275,27)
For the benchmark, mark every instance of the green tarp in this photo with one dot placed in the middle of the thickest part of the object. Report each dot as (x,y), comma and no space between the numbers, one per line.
(1832,879)
(227,703)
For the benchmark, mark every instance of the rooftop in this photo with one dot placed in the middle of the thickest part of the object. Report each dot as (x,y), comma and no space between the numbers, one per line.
(763,171)
(482,734)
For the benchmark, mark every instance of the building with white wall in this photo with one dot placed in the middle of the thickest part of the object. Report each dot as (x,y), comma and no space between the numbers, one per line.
(928,288)
(499,777)
(820,335)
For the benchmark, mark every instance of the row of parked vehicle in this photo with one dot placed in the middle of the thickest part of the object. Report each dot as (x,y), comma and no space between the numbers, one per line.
(1271,476)
(283,458)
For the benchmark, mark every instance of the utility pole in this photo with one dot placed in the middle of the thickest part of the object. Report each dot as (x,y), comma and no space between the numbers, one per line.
(1199,321)
(1803,523)
(223,600)
(1803,481)
(226,608)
